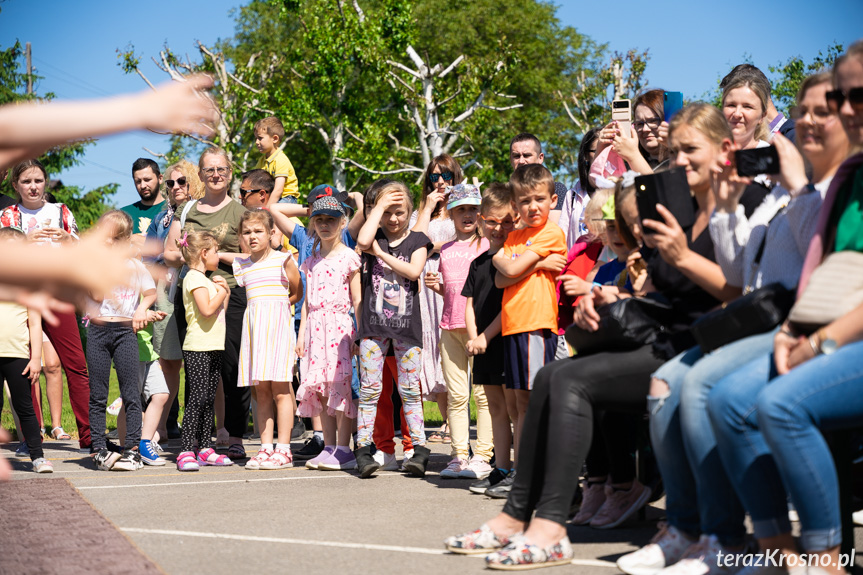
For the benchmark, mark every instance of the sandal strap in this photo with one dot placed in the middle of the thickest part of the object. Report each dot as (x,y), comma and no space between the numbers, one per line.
(283,456)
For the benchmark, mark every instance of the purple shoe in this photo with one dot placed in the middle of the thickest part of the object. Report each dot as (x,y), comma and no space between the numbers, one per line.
(339,460)
(313,463)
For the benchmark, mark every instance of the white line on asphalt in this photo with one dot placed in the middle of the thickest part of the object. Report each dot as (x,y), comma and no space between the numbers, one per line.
(344,545)
(224,481)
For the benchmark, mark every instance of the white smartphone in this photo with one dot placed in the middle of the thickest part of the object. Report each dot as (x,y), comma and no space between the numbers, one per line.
(621,111)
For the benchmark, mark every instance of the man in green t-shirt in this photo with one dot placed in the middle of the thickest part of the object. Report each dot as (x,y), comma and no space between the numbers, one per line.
(148,183)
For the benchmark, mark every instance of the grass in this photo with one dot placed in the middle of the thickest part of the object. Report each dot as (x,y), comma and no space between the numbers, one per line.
(433,416)
(67,418)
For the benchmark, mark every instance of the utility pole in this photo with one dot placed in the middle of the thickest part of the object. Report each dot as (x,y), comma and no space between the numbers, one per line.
(29,69)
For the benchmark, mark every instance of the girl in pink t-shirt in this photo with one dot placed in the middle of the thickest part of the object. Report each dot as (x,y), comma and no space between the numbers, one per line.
(455,259)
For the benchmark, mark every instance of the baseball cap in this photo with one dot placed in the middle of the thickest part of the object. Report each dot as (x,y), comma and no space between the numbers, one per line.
(328,206)
(463,194)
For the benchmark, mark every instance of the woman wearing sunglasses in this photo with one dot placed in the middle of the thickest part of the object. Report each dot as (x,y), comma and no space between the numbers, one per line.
(432,218)
(181,185)
(770,414)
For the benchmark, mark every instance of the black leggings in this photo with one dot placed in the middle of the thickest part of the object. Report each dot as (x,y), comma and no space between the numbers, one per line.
(237,399)
(202,379)
(22,401)
(615,436)
(120,343)
(558,428)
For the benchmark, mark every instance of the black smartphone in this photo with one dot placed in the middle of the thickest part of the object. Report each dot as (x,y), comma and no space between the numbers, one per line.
(671,104)
(757,161)
(668,188)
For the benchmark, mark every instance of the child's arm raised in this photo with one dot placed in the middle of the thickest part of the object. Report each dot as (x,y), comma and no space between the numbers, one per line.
(359,217)
(410,270)
(366,235)
(207,306)
(282,214)
(294,280)
(34,367)
(278,189)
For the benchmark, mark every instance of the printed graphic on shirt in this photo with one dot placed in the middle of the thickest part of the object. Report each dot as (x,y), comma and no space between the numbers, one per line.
(393,297)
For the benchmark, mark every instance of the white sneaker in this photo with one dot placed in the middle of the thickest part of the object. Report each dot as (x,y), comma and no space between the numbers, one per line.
(477,468)
(666,548)
(115,406)
(701,558)
(42,465)
(454,469)
(407,457)
(386,461)
(857,517)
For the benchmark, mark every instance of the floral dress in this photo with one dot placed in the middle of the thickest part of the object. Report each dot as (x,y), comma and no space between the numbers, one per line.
(326,364)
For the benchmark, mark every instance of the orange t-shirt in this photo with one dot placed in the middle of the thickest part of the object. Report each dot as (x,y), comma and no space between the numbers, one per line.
(531,304)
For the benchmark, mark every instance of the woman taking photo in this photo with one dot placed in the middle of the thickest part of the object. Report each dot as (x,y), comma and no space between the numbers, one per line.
(569,391)
(220,215)
(51,224)
(432,219)
(753,252)
(643,148)
(770,414)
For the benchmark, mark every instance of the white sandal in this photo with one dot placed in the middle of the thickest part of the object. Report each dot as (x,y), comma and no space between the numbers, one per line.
(60,434)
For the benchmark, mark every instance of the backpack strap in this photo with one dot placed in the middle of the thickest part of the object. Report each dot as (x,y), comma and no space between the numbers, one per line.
(185,213)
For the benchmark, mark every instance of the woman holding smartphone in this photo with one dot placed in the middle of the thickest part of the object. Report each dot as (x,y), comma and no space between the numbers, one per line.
(643,148)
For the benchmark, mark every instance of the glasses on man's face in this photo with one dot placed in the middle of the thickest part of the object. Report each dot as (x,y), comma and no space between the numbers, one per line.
(651,123)
(508,224)
(179,181)
(819,115)
(221,170)
(836,99)
(447,176)
(244,192)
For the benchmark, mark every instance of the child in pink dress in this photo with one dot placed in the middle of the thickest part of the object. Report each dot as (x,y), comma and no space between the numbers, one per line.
(272,284)
(327,334)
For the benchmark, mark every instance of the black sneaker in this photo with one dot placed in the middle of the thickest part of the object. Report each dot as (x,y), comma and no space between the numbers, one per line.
(502,489)
(298,430)
(495,477)
(105,459)
(129,461)
(312,448)
(174,431)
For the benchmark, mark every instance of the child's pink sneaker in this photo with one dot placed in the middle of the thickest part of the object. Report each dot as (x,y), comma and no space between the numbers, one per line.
(210,457)
(313,463)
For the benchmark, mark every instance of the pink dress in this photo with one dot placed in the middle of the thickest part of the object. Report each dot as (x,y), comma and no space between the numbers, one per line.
(267,351)
(326,365)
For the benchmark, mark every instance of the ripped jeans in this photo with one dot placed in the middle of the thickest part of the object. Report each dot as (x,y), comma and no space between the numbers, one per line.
(699,496)
(409,361)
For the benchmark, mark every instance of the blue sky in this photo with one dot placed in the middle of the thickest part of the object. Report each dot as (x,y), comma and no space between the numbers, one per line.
(691,44)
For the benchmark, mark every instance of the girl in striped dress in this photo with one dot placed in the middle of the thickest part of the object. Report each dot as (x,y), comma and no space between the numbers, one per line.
(272,283)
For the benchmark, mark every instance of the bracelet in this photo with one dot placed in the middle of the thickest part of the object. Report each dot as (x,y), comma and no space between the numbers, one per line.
(815,343)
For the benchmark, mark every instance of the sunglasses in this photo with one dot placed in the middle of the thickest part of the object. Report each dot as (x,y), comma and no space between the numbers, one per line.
(179,181)
(447,176)
(244,192)
(836,98)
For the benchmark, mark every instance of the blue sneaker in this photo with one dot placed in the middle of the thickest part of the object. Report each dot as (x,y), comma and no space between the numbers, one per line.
(149,455)
(23,450)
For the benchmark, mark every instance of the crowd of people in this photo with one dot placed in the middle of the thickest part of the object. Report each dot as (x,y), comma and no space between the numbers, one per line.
(506,292)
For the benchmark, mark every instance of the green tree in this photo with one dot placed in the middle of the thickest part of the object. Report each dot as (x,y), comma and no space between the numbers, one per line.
(789,76)
(13,84)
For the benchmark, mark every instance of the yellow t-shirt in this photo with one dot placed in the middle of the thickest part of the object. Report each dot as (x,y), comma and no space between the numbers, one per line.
(531,304)
(202,333)
(279,166)
(14,331)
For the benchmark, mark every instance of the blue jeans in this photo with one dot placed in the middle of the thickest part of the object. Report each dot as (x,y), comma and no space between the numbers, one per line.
(769,433)
(699,495)
(288,200)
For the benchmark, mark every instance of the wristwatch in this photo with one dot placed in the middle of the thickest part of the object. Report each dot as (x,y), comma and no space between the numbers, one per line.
(821,344)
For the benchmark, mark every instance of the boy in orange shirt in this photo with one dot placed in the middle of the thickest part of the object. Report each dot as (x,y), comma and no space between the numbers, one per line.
(527,266)
(269,134)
